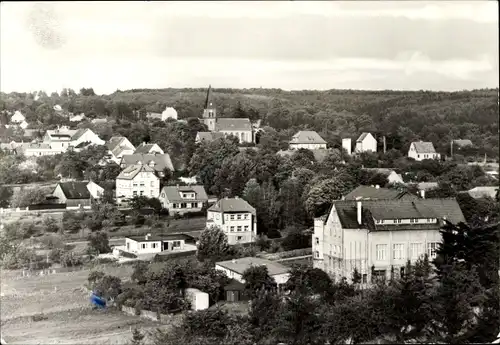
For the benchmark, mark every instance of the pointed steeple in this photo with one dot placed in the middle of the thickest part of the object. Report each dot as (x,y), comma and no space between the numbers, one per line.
(208,101)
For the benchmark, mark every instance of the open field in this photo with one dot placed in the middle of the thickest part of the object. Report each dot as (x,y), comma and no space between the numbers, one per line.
(69,316)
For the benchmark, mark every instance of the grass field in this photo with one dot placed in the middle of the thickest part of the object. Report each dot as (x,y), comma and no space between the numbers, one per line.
(69,316)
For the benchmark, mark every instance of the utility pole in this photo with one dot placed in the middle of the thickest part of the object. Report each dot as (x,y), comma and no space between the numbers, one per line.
(451,148)
(385,145)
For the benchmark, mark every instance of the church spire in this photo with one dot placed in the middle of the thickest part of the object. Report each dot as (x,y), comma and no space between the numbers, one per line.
(208,101)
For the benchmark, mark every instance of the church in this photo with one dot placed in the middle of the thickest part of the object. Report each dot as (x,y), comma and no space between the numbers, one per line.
(240,128)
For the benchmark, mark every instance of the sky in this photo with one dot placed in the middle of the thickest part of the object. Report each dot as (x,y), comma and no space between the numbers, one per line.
(292,45)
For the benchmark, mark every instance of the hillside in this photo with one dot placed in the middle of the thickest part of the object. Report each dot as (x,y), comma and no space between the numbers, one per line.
(401,116)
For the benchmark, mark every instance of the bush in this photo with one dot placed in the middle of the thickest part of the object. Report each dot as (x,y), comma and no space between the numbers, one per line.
(70,259)
(38,317)
(51,241)
(50,225)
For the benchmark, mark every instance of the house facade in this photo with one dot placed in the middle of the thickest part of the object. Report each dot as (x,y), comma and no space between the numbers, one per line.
(183,199)
(149,244)
(137,180)
(238,127)
(420,150)
(236,217)
(379,236)
(63,138)
(96,191)
(74,194)
(309,140)
(366,143)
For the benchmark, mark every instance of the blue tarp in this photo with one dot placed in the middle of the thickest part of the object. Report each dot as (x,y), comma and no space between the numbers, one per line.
(97,301)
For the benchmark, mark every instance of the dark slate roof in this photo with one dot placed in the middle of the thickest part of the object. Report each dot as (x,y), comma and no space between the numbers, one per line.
(232,124)
(209,136)
(398,209)
(75,190)
(362,137)
(156,238)
(161,161)
(424,147)
(307,137)
(144,148)
(382,171)
(172,193)
(462,142)
(232,205)
(373,193)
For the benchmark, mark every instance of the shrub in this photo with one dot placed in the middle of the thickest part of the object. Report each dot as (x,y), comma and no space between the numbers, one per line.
(70,259)
(50,225)
(38,317)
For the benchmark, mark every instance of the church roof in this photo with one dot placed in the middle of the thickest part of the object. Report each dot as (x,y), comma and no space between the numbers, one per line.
(233,124)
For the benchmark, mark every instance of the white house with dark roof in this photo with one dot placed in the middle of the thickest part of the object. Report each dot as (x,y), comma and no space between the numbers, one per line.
(75,194)
(137,180)
(118,147)
(236,217)
(148,149)
(159,162)
(377,235)
(62,138)
(239,127)
(309,140)
(183,199)
(366,143)
(420,150)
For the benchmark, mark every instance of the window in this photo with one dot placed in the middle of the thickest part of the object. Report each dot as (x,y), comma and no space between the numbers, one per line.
(134,193)
(135,184)
(194,205)
(378,275)
(239,238)
(415,250)
(398,251)
(232,229)
(432,249)
(152,184)
(154,245)
(402,271)
(364,279)
(246,215)
(232,217)
(176,244)
(238,217)
(183,205)
(316,254)
(144,245)
(142,183)
(239,227)
(184,195)
(418,156)
(381,250)
(317,240)
(141,192)
(397,221)
(174,205)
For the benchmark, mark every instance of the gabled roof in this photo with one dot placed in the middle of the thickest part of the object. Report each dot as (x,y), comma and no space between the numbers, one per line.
(382,171)
(374,193)
(240,265)
(75,189)
(232,124)
(307,137)
(232,205)
(209,136)
(161,161)
(172,193)
(398,209)
(483,191)
(114,142)
(208,100)
(362,137)
(131,171)
(462,142)
(423,147)
(144,148)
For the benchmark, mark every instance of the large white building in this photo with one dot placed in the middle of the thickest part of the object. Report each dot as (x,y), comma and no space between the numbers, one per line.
(238,127)
(137,180)
(63,138)
(236,217)
(366,143)
(379,234)
(309,140)
(420,150)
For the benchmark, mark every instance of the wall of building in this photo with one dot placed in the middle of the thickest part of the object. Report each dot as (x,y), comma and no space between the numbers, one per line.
(244,136)
(307,146)
(136,247)
(230,274)
(369,144)
(243,230)
(59,194)
(412,153)
(146,182)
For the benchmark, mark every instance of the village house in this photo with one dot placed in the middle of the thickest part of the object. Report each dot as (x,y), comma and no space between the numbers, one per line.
(63,138)
(420,150)
(149,244)
(379,236)
(461,143)
(366,143)
(118,147)
(391,175)
(378,193)
(235,268)
(75,194)
(96,191)
(18,117)
(148,149)
(159,162)
(137,180)
(236,217)
(483,192)
(309,140)
(183,199)
(168,113)
(238,127)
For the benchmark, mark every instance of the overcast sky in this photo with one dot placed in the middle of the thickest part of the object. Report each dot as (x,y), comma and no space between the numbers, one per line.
(374,45)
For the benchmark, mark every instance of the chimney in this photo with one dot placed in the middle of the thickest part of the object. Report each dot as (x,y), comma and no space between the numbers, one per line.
(147,237)
(422,193)
(359,209)
(377,186)
(233,261)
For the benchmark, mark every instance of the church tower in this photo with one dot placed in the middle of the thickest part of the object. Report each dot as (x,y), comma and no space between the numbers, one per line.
(209,112)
